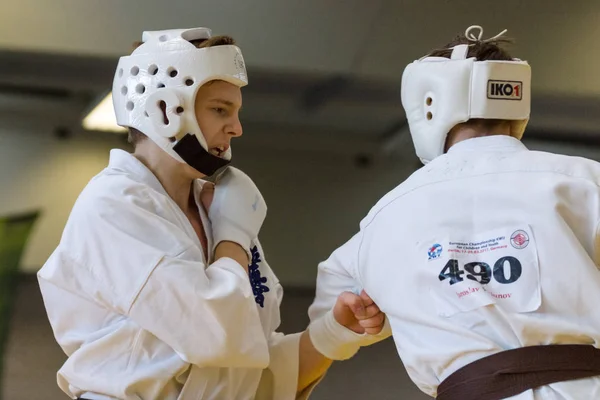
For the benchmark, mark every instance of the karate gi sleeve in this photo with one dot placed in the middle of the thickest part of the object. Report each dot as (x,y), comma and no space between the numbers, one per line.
(337,274)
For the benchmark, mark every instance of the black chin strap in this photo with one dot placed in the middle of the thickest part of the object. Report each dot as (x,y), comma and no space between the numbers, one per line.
(197,157)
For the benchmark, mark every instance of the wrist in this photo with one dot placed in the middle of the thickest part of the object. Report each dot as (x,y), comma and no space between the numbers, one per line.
(229,231)
(333,340)
(234,251)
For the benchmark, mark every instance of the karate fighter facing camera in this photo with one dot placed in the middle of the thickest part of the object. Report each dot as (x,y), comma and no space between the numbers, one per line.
(159,288)
(485,260)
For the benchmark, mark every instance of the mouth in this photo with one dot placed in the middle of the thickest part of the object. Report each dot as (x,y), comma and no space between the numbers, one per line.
(219,151)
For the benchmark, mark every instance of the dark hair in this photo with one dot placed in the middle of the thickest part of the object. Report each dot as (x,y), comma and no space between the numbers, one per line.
(482,51)
(135,136)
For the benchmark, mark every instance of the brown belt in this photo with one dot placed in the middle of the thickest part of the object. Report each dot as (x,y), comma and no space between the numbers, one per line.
(511,372)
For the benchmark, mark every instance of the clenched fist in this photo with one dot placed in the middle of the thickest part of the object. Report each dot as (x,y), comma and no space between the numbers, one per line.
(360,314)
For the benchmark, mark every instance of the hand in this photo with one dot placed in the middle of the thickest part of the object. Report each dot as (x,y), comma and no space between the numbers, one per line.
(340,332)
(360,314)
(238,209)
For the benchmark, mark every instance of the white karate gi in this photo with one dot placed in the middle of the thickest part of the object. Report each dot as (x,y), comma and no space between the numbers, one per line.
(140,313)
(531,217)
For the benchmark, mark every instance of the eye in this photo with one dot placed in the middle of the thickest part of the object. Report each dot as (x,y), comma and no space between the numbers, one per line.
(219,110)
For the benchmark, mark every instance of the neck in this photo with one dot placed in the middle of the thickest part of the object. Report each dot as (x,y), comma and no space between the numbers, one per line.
(467,131)
(175,177)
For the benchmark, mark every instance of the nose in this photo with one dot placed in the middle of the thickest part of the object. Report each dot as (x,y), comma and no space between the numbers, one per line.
(235,129)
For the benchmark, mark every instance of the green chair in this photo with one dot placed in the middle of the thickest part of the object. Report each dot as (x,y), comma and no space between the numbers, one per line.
(14,233)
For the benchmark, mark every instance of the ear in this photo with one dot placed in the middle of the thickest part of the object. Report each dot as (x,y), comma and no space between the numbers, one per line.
(161,108)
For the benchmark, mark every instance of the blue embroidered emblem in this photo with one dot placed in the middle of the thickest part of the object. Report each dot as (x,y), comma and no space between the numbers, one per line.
(435,251)
(257,281)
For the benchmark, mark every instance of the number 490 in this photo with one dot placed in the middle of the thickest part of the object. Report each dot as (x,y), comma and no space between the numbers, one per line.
(481,272)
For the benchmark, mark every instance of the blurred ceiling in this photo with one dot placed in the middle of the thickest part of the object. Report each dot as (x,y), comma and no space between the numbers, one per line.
(322,73)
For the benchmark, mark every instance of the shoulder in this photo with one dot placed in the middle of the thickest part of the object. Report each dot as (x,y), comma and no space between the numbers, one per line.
(116,212)
(115,189)
(416,180)
(576,167)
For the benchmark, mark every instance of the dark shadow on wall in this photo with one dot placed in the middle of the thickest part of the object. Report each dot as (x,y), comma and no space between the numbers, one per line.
(14,233)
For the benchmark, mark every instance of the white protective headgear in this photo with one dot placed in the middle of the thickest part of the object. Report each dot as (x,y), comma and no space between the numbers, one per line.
(167,70)
(438,93)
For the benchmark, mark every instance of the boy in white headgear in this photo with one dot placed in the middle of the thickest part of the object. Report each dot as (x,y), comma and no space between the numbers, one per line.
(159,288)
(485,260)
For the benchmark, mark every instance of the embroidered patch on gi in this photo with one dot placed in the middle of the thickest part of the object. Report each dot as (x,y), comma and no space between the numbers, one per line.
(257,281)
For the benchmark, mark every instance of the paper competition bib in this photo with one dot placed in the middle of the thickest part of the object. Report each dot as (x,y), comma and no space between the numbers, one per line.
(500,267)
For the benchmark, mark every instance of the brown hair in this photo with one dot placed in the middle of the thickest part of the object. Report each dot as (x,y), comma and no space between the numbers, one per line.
(482,51)
(135,136)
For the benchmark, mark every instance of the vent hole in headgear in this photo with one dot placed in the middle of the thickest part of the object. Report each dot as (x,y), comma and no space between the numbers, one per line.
(160,85)
(172,139)
(172,72)
(163,108)
(429,101)
(130,105)
(120,72)
(140,88)
(124,90)
(153,69)
(189,82)
(146,114)
(163,38)
(429,116)
(179,110)
(135,71)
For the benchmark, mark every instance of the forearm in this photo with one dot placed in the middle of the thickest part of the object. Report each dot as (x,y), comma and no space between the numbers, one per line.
(218,296)
(312,364)
(234,251)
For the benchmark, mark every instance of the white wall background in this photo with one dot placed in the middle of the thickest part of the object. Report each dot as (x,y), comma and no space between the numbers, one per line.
(315,200)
